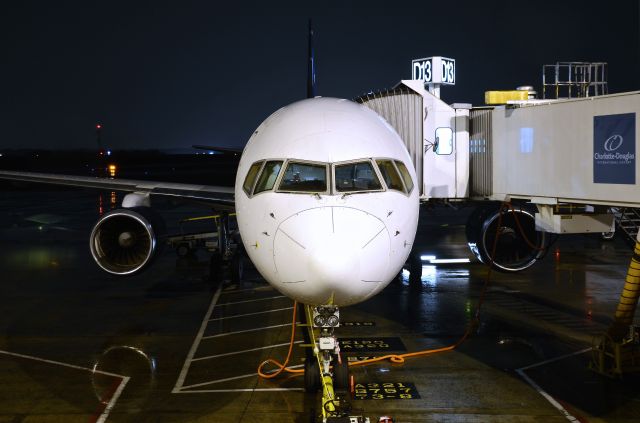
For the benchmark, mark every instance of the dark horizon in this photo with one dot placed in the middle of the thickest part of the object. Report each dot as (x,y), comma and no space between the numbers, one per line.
(157,76)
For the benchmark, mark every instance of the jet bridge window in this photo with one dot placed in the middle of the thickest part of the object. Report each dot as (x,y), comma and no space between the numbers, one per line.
(390,175)
(444,141)
(304,177)
(251,177)
(354,177)
(268,177)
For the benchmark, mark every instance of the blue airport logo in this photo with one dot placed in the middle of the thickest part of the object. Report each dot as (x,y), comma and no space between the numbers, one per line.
(614,149)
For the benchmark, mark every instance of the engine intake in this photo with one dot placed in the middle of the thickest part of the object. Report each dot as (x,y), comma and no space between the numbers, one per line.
(125,241)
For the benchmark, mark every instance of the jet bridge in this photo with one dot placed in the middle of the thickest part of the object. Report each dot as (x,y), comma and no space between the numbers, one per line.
(568,165)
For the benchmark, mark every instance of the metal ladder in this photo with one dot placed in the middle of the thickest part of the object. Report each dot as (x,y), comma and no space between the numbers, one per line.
(628,220)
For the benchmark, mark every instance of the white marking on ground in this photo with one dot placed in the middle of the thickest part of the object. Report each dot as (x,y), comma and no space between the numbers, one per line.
(200,391)
(180,387)
(251,301)
(556,404)
(246,330)
(266,347)
(228,379)
(196,343)
(114,398)
(250,314)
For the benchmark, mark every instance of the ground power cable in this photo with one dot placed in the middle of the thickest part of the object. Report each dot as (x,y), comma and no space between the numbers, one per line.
(400,358)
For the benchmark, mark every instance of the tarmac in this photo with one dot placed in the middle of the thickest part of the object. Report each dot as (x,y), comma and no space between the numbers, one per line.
(169,345)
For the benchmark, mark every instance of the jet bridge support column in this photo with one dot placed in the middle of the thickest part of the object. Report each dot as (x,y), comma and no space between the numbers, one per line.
(618,351)
(629,298)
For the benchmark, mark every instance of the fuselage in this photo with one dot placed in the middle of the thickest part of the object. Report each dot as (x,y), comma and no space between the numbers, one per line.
(326,201)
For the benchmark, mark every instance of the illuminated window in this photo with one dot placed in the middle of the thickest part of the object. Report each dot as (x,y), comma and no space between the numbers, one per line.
(251,177)
(268,177)
(390,175)
(353,177)
(406,176)
(304,177)
(444,141)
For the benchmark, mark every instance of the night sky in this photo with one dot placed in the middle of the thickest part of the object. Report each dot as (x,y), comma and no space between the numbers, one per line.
(172,74)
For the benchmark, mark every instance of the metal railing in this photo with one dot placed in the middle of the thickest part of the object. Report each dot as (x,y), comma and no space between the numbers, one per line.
(574,79)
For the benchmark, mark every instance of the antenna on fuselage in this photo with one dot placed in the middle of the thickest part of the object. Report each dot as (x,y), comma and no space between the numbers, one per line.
(311,66)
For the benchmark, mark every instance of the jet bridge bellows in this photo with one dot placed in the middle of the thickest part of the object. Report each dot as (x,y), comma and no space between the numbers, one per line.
(402,108)
(435,134)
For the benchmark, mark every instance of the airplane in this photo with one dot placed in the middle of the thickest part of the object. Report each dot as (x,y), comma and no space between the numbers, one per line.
(326,203)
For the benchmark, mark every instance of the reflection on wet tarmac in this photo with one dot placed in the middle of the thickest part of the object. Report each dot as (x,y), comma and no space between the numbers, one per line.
(124,361)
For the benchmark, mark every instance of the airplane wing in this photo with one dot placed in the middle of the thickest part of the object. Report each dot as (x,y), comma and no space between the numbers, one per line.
(215,195)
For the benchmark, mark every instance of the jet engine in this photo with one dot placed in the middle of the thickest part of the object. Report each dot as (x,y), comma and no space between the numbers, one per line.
(125,241)
(519,245)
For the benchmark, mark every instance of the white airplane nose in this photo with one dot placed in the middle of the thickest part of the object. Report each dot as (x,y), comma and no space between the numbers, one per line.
(338,250)
(334,260)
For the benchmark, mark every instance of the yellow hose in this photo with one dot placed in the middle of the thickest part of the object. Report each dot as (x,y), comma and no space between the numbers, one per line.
(628,299)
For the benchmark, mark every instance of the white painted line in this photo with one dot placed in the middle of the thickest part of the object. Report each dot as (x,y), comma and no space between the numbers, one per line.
(552,401)
(246,330)
(250,314)
(200,391)
(548,397)
(196,342)
(259,288)
(551,360)
(59,363)
(112,401)
(243,351)
(228,379)
(114,398)
(252,301)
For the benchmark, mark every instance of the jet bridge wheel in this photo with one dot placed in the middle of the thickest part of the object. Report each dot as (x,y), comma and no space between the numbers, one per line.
(513,252)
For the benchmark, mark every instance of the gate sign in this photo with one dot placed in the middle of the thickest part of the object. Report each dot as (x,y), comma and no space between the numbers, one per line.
(614,149)
(434,70)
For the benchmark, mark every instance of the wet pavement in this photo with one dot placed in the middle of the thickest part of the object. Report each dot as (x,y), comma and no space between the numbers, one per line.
(78,345)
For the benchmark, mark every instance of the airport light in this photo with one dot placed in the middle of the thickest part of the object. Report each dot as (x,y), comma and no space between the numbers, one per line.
(434,260)
(449,261)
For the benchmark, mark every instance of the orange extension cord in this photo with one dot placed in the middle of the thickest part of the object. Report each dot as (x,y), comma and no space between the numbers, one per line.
(400,358)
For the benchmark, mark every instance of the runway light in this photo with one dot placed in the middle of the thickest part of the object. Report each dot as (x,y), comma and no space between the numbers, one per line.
(427,258)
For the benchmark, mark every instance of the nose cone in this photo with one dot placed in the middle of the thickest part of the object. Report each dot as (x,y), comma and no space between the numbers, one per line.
(334,259)
(331,255)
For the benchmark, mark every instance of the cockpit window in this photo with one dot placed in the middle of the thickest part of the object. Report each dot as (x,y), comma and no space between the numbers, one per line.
(251,177)
(390,175)
(304,177)
(358,176)
(406,176)
(268,177)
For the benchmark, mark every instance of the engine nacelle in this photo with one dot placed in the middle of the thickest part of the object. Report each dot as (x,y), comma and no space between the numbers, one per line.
(125,241)
(516,230)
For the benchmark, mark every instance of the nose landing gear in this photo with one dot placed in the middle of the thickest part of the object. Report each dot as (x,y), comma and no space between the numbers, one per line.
(328,369)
